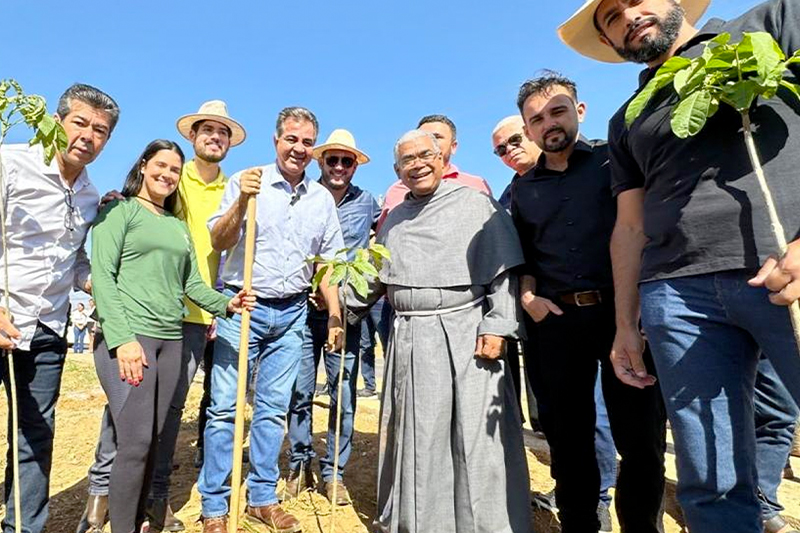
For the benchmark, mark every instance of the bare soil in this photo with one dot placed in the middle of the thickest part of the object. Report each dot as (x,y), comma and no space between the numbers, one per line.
(78,419)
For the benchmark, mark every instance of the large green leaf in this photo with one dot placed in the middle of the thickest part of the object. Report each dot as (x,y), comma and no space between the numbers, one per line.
(317,279)
(357,281)
(691,113)
(766,51)
(740,95)
(365,267)
(793,87)
(338,274)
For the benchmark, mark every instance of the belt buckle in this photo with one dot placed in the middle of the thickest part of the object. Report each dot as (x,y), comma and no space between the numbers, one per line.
(580,303)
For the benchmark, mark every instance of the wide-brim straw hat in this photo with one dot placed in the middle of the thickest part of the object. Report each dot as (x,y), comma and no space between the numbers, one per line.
(580,33)
(341,140)
(217,111)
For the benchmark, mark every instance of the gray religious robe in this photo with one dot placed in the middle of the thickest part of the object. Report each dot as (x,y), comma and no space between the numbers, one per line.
(451,453)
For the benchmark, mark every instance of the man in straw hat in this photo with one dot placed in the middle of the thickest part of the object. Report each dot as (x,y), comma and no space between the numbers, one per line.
(692,233)
(295,219)
(212,132)
(358,211)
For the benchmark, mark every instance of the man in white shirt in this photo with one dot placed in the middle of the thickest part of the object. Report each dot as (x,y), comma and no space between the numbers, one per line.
(49,209)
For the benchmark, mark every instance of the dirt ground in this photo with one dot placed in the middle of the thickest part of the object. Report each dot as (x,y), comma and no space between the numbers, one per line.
(78,419)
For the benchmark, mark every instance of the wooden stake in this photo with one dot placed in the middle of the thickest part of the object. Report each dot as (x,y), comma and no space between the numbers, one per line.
(241,387)
(777,227)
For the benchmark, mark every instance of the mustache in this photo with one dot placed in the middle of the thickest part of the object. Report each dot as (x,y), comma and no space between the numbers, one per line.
(554,129)
(638,24)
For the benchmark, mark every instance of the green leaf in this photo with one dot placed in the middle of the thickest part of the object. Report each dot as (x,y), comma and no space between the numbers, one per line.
(740,95)
(662,78)
(766,51)
(688,80)
(794,59)
(381,250)
(317,279)
(691,113)
(358,282)
(365,267)
(338,274)
(362,254)
(341,251)
(793,87)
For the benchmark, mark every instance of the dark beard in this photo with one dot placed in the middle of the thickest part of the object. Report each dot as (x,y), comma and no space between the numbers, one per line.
(559,146)
(654,47)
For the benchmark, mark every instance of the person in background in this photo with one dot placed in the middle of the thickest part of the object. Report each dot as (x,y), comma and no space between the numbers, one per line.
(80,321)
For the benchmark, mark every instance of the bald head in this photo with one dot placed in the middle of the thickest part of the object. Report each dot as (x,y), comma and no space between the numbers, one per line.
(518,152)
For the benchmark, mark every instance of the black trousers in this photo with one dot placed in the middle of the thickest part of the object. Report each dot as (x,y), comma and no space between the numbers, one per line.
(565,364)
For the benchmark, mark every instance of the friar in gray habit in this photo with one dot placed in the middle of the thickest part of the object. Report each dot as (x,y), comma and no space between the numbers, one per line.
(451,452)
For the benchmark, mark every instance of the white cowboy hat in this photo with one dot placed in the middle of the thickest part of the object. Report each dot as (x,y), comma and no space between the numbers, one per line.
(580,33)
(341,140)
(217,111)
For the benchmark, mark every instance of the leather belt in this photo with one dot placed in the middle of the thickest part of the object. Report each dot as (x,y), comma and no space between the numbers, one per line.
(582,299)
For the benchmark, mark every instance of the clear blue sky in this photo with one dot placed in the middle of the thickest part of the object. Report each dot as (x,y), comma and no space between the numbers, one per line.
(372,67)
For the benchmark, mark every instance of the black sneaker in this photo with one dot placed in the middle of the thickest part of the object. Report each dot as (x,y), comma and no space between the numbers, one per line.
(367,393)
(604,516)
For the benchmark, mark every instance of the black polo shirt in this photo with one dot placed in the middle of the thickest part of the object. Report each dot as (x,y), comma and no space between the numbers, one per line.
(704,211)
(565,220)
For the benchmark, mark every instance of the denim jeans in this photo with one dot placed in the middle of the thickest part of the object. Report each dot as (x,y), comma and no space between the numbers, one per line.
(706,333)
(300,415)
(369,325)
(77,345)
(275,349)
(38,376)
(776,415)
(604,447)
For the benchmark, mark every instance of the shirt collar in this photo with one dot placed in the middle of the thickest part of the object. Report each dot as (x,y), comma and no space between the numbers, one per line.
(190,171)
(450,172)
(52,170)
(276,177)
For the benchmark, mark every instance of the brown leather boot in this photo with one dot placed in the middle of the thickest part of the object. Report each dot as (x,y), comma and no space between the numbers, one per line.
(161,517)
(298,481)
(94,516)
(218,524)
(275,518)
(342,496)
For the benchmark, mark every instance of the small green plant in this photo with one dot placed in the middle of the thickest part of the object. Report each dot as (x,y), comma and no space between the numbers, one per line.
(16,107)
(732,74)
(367,262)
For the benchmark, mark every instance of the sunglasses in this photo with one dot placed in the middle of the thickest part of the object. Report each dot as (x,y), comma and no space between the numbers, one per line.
(333,160)
(502,149)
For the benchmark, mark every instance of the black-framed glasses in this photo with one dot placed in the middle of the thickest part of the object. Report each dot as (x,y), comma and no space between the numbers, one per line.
(333,160)
(426,157)
(69,218)
(503,148)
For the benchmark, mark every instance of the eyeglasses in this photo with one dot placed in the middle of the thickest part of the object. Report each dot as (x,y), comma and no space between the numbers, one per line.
(333,160)
(502,149)
(69,218)
(426,157)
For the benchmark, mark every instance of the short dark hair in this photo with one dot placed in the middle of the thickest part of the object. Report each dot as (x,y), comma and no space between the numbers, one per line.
(296,113)
(427,119)
(196,126)
(91,96)
(543,85)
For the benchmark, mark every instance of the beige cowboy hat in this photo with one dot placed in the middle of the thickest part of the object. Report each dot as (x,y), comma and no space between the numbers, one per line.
(341,140)
(217,111)
(580,34)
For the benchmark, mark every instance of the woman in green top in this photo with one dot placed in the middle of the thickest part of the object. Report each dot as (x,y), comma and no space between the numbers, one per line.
(143,263)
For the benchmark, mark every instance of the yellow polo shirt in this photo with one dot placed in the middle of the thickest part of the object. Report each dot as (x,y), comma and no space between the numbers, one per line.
(197,201)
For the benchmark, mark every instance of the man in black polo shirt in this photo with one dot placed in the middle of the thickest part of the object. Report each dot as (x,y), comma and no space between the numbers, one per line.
(693,230)
(564,213)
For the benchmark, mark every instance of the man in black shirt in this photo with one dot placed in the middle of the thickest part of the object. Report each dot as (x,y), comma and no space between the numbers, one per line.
(564,213)
(692,228)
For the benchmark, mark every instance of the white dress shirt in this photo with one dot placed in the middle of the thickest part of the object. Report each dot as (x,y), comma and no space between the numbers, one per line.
(46,227)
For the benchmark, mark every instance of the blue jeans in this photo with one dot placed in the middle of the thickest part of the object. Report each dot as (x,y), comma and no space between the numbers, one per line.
(275,348)
(369,326)
(300,415)
(77,345)
(604,444)
(776,414)
(38,376)
(706,333)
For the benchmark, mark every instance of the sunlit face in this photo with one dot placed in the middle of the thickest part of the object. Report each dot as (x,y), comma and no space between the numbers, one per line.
(640,31)
(447,144)
(161,174)
(419,167)
(552,119)
(295,147)
(88,130)
(337,168)
(520,157)
(211,141)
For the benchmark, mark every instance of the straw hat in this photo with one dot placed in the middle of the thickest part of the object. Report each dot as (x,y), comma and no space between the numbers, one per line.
(580,34)
(217,111)
(341,140)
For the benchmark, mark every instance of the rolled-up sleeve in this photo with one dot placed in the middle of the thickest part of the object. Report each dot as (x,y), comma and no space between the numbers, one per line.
(501,317)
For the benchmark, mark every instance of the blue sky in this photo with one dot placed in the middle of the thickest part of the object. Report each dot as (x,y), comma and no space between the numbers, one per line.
(372,67)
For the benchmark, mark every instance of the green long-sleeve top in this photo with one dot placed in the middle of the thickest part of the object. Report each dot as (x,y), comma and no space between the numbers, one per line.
(143,264)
